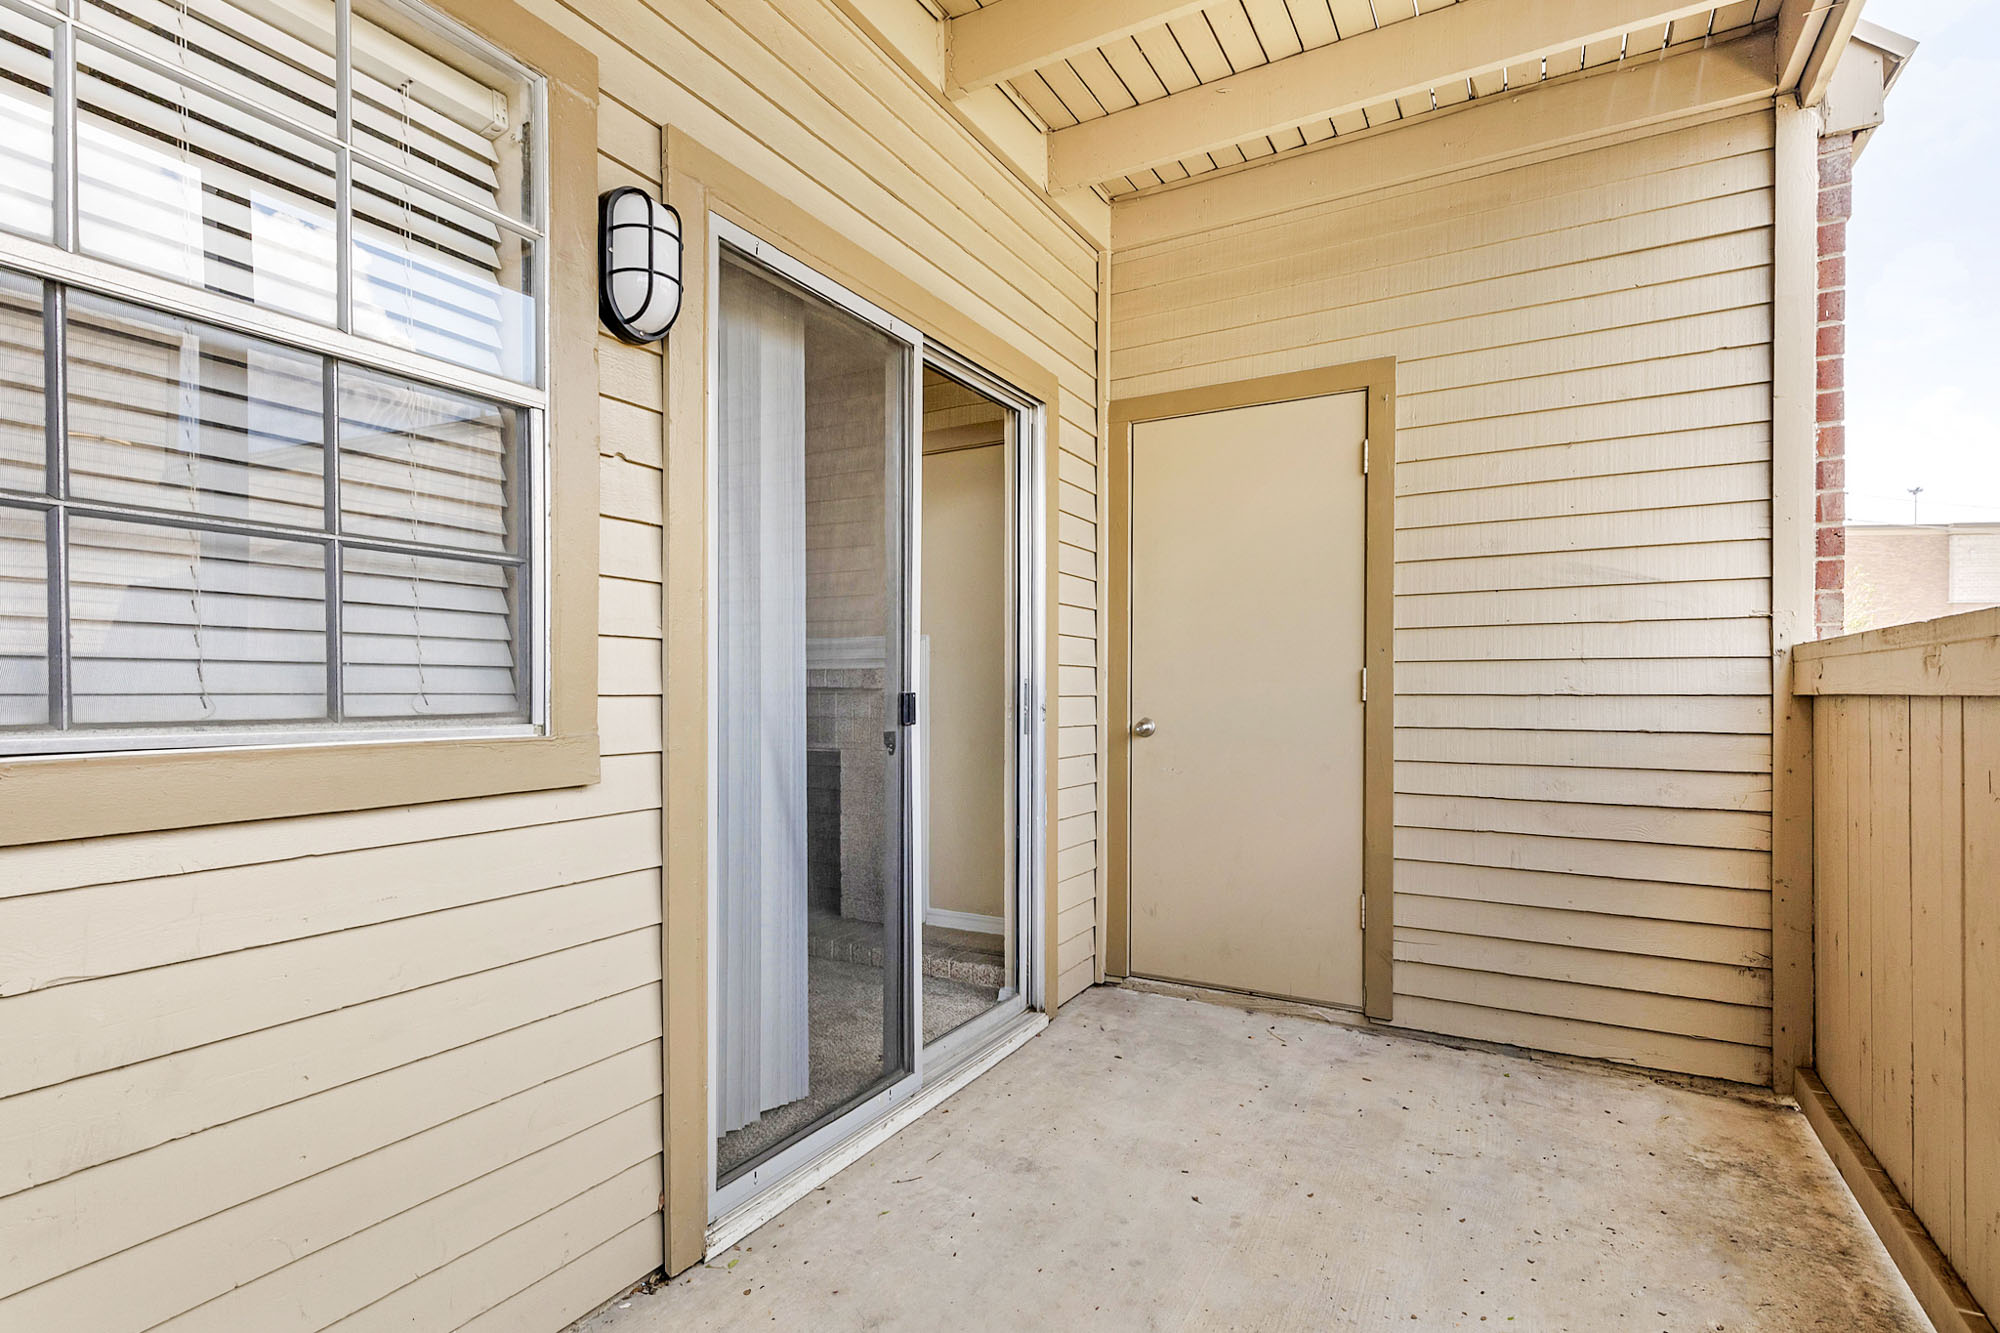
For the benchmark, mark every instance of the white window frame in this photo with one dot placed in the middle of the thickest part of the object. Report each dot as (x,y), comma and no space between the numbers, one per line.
(62,266)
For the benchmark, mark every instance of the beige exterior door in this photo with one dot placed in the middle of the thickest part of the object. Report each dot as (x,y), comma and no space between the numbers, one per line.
(1248,546)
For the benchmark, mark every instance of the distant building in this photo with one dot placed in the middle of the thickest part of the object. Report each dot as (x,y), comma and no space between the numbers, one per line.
(1899,572)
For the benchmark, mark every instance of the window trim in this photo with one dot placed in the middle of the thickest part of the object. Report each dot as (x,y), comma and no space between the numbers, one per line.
(78,795)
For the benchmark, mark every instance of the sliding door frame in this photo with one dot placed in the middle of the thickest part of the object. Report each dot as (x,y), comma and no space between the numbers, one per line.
(923,1064)
(702,182)
(1027,633)
(902,1024)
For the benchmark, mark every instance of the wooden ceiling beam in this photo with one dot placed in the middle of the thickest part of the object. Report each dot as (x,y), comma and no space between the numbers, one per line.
(1010,38)
(1401,60)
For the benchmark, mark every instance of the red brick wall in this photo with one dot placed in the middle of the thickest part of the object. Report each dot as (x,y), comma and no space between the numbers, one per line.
(1836,171)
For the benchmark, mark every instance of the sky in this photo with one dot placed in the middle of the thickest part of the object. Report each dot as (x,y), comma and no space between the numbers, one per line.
(1923,275)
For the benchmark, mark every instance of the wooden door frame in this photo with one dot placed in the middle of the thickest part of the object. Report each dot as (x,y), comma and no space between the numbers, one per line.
(1377,379)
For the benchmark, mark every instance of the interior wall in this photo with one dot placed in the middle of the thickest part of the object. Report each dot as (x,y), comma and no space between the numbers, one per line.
(847,604)
(408,1061)
(966,610)
(1583,560)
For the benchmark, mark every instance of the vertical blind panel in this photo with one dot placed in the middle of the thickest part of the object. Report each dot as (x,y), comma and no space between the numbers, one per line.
(176,182)
(27,126)
(763,984)
(165,413)
(423,636)
(422,464)
(440,112)
(171,625)
(288,69)
(432,276)
(24,619)
(23,434)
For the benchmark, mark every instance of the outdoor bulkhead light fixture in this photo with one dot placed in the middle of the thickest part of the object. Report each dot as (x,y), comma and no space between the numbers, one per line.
(639,264)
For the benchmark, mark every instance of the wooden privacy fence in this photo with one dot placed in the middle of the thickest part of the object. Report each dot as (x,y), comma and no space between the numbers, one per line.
(1906,861)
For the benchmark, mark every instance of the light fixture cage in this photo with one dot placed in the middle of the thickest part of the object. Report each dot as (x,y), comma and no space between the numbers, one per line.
(639,265)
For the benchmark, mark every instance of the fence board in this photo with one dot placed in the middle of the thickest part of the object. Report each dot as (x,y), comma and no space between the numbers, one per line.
(1937,940)
(1906,852)
(1831,737)
(1889,925)
(1980,1249)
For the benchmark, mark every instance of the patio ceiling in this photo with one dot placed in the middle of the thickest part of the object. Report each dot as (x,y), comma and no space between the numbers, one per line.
(1132,95)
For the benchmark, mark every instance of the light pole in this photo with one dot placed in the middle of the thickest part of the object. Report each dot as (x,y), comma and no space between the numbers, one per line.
(1915,491)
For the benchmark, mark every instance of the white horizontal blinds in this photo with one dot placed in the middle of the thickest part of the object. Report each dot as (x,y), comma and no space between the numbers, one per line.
(426,636)
(24,547)
(422,464)
(433,270)
(423,634)
(168,414)
(278,55)
(23,429)
(438,278)
(27,125)
(201,578)
(24,619)
(174,180)
(174,625)
(442,114)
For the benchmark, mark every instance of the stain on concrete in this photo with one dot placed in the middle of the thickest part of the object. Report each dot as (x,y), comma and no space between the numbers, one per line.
(1152,1162)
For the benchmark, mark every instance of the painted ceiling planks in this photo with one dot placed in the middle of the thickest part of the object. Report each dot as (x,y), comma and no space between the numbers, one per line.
(1197,47)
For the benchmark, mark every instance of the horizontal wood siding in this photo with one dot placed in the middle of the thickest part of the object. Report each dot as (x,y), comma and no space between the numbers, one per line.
(1906,825)
(401,1068)
(1583,756)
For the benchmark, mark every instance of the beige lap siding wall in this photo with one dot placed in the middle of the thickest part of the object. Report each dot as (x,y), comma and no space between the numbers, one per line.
(1583,556)
(402,1068)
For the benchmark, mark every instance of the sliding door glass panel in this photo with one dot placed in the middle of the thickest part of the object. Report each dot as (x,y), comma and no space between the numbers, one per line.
(970,928)
(812,909)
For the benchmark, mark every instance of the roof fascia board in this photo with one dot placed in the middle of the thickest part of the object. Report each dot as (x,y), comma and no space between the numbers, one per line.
(1833,39)
(1799,25)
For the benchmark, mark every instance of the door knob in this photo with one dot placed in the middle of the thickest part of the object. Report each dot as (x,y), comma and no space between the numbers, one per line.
(1144,727)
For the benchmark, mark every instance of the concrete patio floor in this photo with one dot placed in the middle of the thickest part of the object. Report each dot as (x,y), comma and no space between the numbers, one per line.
(1154,1162)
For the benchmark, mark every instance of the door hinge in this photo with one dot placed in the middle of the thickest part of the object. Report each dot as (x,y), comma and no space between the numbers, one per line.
(1364,684)
(1364,911)
(906,709)
(1364,455)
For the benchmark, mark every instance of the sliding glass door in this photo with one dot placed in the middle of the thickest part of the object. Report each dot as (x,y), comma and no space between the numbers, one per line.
(840,986)
(969,664)
(812,803)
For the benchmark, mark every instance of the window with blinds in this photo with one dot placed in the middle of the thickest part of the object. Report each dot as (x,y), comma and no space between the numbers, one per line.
(272,382)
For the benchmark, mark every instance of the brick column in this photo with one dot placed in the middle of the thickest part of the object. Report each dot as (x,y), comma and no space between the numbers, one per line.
(1836,170)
